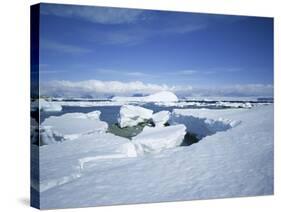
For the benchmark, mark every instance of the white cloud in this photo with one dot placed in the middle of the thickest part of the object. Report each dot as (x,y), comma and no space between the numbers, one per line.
(171,23)
(102,15)
(97,88)
(62,47)
(187,72)
(262,90)
(124,73)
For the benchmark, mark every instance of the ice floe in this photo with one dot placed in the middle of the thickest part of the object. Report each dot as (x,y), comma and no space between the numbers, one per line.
(131,115)
(70,126)
(49,106)
(161,118)
(156,139)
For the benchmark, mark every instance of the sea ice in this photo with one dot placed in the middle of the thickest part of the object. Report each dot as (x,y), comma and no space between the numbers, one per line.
(234,162)
(155,139)
(49,106)
(235,104)
(72,125)
(133,115)
(161,118)
(201,124)
(128,149)
(62,163)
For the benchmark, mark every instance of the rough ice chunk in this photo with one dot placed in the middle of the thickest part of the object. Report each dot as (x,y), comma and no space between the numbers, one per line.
(133,115)
(155,139)
(49,106)
(161,118)
(47,136)
(72,125)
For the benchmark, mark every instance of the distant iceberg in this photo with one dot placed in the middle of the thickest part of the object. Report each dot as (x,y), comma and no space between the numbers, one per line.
(163,96)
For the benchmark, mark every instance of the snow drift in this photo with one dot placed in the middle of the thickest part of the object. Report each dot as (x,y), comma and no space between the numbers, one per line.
(198,121)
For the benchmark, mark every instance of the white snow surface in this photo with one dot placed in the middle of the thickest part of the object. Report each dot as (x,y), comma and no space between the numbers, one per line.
(70,126)
(156,139)
(201,122)
(131,115)
(163,96)
(62,163)
(92,170)
(161,118)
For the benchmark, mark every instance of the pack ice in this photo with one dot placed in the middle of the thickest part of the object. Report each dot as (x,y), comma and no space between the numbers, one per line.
(133,115)
(156,139)
(71,125)
(161,118)
(49,106)
(233,158)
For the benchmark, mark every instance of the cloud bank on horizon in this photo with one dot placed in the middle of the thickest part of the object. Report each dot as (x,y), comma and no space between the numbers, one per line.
(135,51)
(97,88)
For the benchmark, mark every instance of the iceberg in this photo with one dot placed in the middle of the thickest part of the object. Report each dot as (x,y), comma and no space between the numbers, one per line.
(71,126)
(163,96)
(161,118)
(133,115)
(156,139)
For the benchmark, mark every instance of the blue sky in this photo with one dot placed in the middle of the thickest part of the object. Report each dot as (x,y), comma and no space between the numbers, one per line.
(95,50)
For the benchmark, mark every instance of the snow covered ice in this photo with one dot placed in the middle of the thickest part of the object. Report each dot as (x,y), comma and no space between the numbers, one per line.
(49,106)
(161,118)
(133,115)
(156,139)
(202,122)
(62,163)
(98,168)
(70,126)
